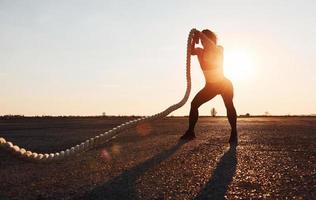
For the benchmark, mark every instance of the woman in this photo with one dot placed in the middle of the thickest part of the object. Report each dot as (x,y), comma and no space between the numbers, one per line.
(211,62)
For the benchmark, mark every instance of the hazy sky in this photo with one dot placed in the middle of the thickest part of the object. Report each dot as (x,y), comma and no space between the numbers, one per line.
(128,57)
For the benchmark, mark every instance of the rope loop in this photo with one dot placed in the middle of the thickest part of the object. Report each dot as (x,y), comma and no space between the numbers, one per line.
(104,137)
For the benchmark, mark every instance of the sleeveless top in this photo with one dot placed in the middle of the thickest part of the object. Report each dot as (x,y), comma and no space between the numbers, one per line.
(213,71)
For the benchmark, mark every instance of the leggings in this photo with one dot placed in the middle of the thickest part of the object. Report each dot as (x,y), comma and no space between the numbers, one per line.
(210,90)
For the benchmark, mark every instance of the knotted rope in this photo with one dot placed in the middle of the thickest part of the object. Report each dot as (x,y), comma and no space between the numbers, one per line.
(104,137)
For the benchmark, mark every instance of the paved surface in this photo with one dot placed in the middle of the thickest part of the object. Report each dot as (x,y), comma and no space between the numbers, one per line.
(275,159)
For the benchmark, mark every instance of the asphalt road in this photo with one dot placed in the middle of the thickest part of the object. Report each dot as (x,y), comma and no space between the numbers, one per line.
(275,159)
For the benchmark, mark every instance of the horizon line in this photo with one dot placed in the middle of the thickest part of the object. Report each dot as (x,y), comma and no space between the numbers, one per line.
(137,116)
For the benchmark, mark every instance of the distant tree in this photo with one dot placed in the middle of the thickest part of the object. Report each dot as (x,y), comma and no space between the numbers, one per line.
(213,112)
(266,113)
(247,114)
(103,114)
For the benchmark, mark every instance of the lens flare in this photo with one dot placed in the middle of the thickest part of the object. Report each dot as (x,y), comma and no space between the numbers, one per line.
(105,155)
(116,149)
(143,129)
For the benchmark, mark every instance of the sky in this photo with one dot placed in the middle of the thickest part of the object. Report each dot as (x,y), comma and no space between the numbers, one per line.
(128,57)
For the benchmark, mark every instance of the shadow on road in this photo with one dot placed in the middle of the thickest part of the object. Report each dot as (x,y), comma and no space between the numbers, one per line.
(123,186)
(221,178)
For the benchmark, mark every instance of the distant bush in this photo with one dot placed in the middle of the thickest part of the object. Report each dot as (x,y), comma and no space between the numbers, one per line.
(213,112)
(12,116)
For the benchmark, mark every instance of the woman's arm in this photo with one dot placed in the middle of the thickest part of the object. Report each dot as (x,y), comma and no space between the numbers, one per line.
(196,51)
(206,42)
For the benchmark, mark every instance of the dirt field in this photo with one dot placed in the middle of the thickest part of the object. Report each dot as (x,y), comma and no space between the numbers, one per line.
(275,159)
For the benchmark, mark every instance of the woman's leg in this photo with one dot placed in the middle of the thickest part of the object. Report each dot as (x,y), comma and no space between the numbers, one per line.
(200,98)
(227,95)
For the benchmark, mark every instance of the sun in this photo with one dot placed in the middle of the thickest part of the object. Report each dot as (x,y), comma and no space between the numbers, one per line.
(239,65)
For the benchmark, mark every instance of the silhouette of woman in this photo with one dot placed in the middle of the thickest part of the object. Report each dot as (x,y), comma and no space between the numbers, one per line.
(211,61)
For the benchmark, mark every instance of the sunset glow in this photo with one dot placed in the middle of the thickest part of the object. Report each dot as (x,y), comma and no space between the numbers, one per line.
(239,65)
(123,58)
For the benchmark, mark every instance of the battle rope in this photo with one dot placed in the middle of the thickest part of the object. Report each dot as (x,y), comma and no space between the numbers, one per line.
(104,137)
